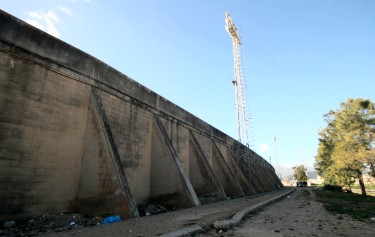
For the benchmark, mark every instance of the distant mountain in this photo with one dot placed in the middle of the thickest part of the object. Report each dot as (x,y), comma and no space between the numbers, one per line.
(312,174)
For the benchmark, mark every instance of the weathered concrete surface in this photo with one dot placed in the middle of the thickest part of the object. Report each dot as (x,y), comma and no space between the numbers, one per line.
(77,135)
(239,216)
(187,231)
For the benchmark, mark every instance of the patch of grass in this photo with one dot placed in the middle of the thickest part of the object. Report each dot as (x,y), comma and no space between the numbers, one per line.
(368,186)
(357,206)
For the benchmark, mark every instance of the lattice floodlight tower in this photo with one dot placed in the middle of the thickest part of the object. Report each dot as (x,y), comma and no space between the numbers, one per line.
(238,81)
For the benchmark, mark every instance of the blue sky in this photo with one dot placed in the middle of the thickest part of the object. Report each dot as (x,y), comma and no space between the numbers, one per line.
(301,58)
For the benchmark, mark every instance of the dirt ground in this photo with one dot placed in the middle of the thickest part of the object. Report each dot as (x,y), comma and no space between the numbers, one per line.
(152,225)
(300,214)
(167,222)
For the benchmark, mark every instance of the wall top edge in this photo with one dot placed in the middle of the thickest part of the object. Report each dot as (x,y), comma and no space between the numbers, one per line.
(18,33)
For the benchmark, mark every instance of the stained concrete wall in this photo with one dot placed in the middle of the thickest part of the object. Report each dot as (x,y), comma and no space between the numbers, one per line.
(77,135)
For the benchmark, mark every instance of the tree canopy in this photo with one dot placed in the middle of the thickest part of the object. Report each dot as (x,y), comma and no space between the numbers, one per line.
(347,145)
(300,173)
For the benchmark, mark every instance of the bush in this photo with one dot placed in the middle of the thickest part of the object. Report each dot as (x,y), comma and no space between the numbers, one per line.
(333,188)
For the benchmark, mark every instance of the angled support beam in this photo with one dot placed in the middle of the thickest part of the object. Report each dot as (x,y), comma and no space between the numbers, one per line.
(215,180)
(244,180)
(243,156)
(268,175)
(266,178)
(252,165)
(114,153)
(227,169)
(259,176)
(173,154)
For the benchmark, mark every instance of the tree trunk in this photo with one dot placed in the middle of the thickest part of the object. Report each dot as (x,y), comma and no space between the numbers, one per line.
(362,184)
(372,170)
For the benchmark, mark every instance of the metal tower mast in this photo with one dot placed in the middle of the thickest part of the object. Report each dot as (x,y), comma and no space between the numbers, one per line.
(238,81)
(277,166)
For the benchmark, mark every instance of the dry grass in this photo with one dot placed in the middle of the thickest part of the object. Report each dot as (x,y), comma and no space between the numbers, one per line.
(358,206)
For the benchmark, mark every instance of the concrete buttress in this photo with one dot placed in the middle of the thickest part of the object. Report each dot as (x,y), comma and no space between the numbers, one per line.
(187,187)
(78,135)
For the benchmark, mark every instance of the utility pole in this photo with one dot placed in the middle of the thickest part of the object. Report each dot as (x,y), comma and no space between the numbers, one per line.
(238,82)
(277,168)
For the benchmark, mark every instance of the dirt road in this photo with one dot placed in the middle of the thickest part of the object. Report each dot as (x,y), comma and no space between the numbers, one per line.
(203,216)
(298,215)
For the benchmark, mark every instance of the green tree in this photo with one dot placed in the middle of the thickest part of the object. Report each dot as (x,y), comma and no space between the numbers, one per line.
(323,159)
(300,173)
(347,144)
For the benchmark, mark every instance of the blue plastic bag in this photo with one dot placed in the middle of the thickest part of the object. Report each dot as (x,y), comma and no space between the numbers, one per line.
(111,219)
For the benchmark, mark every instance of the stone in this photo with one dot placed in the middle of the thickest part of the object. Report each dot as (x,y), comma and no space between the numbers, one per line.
(9,224)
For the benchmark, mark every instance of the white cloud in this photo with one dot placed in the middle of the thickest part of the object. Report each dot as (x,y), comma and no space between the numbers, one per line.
(88,1)
(41,15)
(44,21)
(66,10)
(264,148)
(36,24)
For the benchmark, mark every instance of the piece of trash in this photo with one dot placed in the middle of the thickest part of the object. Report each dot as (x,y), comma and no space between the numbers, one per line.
(154,209)
(372,218)
(72,223)
(220,231)
(50,224)
(111,219)
(9,224)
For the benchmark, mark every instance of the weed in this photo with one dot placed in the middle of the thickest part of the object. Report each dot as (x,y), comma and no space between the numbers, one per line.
(357,206)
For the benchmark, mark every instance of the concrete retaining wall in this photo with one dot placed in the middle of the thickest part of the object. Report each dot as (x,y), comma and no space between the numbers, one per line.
(77,135)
